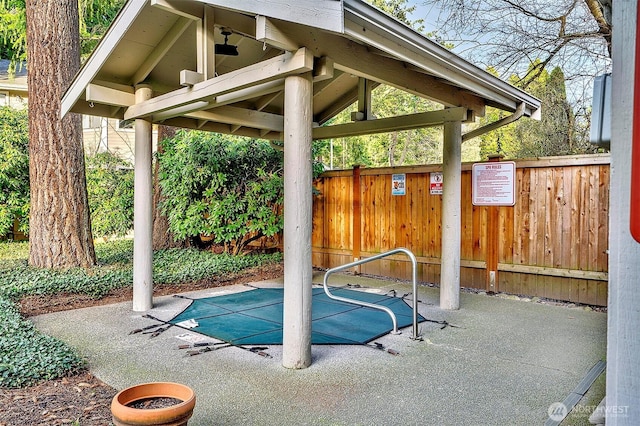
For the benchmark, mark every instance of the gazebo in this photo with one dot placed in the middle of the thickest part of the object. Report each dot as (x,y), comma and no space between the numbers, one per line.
(281,70)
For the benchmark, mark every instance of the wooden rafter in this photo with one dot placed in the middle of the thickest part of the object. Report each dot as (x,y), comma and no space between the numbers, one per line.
(382,125)
(262,72)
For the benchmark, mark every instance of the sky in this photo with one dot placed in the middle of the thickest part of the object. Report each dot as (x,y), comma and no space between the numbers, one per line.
(428,13)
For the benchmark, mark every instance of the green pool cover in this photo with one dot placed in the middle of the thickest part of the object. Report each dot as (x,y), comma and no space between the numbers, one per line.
(254,317)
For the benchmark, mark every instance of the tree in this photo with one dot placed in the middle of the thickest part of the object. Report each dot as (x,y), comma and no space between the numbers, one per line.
(510,35)
(95,17)
(13,37)
(525,42)
(14,168)
(60,226)
(554,133)
(418,146)
(162,236)
(400,10)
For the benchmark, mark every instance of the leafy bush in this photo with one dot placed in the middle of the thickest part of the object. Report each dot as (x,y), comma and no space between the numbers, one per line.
(14,168)
(115,269)
(225,187)
(109,182)
(110,190)
(28,356)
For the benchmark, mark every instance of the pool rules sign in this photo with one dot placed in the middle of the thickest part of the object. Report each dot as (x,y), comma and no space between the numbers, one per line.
(494,183)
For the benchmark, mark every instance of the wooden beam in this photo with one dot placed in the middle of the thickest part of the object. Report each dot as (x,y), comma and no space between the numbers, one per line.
(364,101)
(211,126)
(263,89)
(187,9)
(242,117)
(261,104)
(182,110)
(573,160)
(336,107)
(382,125)
(109,96)
(190,78)
(205,44)
(262,72)
(241,23)
(357,59)
(496,124)
(324,14)
(554,272)
(322,69)
(268,32)
(343,83)
(265,100)
(160,50)
(340,79)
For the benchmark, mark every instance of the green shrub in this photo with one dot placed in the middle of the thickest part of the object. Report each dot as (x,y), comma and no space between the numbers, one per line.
(115,269)
(110,190)
(14,169)
(222,186)
(109,182)
(28,356)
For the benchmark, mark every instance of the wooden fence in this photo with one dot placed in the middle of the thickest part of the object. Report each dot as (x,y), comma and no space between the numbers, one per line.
(553,243)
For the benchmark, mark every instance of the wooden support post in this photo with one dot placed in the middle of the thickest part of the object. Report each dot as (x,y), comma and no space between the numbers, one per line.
(357,217)
(451,216)
(298,213)
(493,242)
(142,211)
(364,101)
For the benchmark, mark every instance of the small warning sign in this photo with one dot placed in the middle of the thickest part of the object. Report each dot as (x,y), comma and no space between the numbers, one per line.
(435,183)
(398,182)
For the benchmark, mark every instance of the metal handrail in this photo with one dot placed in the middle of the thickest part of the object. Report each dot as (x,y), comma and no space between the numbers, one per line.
(414,279)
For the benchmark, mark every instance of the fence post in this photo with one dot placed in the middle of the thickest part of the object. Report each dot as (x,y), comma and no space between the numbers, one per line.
(357,217)
(493,241)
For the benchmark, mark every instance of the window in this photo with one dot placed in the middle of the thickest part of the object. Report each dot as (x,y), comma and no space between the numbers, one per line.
(4,99)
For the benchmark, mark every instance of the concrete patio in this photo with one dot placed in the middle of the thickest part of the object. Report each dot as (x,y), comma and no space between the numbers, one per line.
(501,362)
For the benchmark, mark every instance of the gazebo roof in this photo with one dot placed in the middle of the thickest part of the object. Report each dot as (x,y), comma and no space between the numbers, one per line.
(348,45)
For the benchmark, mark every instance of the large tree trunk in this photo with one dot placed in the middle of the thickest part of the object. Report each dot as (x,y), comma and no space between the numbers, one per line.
(162,237)
(59,222)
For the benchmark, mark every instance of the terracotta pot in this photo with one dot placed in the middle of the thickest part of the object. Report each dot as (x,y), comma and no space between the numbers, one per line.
(175,415)
(206,238)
